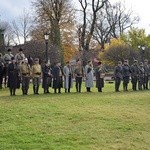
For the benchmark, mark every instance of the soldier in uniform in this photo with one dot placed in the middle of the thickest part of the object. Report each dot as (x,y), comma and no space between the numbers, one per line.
(118,75)
(134,75)
(7,60)
(68,77)
(47,77)
(141,76)
(19,57)
(126,75)
(57,78)
(36,75)
(13,73)
(146,74)
(79,74)
(100,74)
(89,76)
(1,70)
(25,72)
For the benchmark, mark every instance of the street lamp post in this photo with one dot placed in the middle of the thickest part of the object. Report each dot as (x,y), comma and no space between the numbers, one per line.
(142,48)
(46,36)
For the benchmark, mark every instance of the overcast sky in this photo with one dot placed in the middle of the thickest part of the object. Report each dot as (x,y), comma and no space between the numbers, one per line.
(11,9)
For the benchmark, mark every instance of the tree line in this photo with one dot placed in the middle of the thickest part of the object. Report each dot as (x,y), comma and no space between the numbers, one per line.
(91,24)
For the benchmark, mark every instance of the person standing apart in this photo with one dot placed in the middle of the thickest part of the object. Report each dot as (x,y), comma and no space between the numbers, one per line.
(134,75)
(146,74)
(126,75)
(36,75)
(57,78)
(68,77)
(79,74)
(13,74)
(25,72)
(47,77)
(118,75)
(100,74)
(89,76)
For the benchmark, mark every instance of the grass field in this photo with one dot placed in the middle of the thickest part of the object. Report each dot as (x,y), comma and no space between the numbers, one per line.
(86,121)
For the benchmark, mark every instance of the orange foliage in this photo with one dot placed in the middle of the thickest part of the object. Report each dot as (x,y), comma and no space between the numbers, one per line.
(69,52)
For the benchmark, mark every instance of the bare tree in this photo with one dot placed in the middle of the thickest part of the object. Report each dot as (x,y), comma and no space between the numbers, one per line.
(22,27)
(86,30)
(113,22)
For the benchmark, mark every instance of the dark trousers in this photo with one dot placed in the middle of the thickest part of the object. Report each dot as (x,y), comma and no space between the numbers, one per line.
(146,82)
(134,83)
(55,90)
(88,89)
(117,84)
(141,83)
(1,81)
(12,91)
(25,85)
(125,83)
(78,84)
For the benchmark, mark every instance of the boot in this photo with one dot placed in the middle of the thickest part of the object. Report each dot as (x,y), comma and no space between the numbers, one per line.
(69,90)
(37,90)
(11,91)
(26,92)
(59,90)
(65,90)
(55,91)
(34,90)
(23,91)
(14,91)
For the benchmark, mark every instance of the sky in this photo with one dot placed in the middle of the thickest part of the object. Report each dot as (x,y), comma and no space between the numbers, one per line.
(12,9)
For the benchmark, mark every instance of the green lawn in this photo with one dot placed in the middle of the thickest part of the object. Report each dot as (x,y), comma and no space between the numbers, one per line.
(86,121)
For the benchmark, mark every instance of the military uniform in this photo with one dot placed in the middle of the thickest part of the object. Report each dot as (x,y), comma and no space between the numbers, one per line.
(118,76)
(7,60)
(36,75)
(146,74)
(126,75)
(79,73)
(47,78)
(19,58)
(100,74)
(141,76)
(134,75)
(25,72)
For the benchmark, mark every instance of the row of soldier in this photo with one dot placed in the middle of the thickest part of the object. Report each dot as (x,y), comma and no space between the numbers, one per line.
(20,71)
(138,73)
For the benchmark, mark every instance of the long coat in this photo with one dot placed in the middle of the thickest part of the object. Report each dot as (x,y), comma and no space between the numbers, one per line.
(100,71)
(57,79)
(47,79)
(68,73)
(89,76)
(13,76)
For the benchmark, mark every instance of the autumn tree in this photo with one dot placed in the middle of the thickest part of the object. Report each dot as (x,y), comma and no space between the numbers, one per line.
(54,16)
(118,50)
